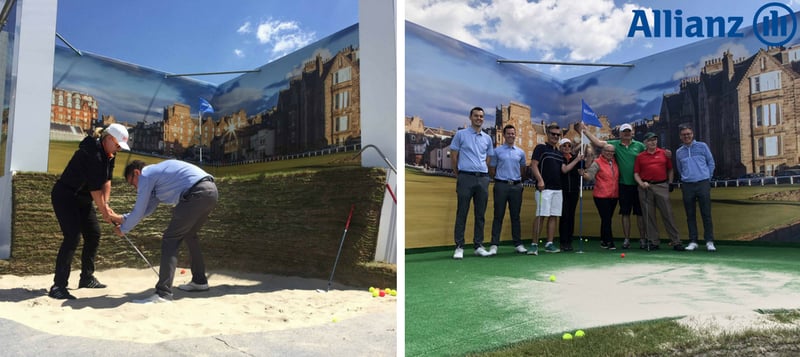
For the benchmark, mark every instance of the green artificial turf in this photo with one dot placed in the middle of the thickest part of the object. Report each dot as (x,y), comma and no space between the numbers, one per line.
(473,305)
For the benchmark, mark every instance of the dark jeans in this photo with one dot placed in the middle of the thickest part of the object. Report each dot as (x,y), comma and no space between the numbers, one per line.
(511,195)
(188,217)
(77,217)
(699,192)
(476,189)
(605,207)
(566,223)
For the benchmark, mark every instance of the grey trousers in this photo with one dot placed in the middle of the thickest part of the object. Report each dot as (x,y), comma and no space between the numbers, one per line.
(699,192)
(476,189)
(657,197)
(505,193)
(188,217)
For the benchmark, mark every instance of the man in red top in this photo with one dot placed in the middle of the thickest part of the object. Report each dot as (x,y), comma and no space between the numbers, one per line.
(653,171)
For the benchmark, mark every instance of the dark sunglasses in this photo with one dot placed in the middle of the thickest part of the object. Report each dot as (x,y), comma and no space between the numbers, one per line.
(555,134)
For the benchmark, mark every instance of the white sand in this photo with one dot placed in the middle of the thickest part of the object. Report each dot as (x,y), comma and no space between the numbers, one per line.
(704,294)
(236,303)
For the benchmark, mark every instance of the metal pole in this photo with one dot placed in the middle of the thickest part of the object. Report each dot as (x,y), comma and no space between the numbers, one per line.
(200,137)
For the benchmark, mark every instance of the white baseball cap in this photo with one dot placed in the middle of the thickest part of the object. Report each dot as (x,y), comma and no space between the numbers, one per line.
(624,127)
(564,141)
(121,134)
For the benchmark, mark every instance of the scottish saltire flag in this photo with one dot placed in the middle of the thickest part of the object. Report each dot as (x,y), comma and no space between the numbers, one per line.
(205,106)
(589,117)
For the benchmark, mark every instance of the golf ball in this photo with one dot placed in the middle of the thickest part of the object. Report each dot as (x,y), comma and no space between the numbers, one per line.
(552,278)
(622,255)
(374,293)
(579,333)
(382,293)
(371,289)
(567,336)
(393,293)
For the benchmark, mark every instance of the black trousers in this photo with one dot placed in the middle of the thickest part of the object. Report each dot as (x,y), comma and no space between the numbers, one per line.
(566,224)
(605,207)
(77,217)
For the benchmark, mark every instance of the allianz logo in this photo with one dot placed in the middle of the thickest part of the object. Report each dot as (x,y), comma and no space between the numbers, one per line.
(778,24)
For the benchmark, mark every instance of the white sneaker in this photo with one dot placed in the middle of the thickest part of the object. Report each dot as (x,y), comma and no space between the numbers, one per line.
(459,254)
(691,246)
(710,247)
(192,286)
(493,249)
(154,299)
(481,252)
(521,249)
(534,249)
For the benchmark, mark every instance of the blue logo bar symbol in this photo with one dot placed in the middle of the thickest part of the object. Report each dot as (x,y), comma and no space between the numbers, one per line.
(775,27)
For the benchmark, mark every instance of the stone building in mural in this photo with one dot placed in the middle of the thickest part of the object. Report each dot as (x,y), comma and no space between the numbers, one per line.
(319,109)
(73,109)
(745,109)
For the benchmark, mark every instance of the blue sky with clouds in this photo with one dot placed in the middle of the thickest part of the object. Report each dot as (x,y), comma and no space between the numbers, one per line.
(564,30)
(466,56)
(183,36)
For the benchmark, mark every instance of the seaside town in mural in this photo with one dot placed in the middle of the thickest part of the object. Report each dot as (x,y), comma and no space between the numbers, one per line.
(743,107)
(319,109)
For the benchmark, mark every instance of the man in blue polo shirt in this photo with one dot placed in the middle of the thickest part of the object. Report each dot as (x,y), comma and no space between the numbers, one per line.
(469,152)
(696,165)
(194,195)
(507,166)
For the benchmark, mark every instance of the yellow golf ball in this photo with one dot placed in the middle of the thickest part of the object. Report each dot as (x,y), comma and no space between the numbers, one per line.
(567,336)
(579,333)
(375,293)
(393,292)
(371,289)
(552,278)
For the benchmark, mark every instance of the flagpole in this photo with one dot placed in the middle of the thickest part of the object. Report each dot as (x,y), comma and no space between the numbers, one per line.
(580,197)
(200,138)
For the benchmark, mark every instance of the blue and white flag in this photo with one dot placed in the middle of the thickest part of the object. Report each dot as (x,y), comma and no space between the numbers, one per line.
(589,117)
(205,106)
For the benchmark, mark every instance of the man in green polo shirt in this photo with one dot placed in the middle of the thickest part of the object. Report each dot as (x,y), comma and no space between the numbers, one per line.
(626,151)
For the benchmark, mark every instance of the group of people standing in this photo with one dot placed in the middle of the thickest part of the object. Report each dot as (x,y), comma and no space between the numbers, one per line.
(636,175)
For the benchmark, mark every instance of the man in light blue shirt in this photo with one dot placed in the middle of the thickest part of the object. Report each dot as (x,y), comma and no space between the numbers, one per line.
(507,166)
(696,165)
(194,195)
(469,152)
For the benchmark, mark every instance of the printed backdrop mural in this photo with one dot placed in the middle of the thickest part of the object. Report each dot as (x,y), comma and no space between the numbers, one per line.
(738,93)
(307,100)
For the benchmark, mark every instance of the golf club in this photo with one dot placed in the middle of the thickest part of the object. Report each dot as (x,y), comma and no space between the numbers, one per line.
(346,226)
(140,252)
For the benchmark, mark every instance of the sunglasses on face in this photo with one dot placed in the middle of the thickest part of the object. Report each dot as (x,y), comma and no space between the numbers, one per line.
(555,134)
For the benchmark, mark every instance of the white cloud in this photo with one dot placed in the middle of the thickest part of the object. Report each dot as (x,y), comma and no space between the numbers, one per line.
(586,30)
(283,36)
(239,53)
(245,28)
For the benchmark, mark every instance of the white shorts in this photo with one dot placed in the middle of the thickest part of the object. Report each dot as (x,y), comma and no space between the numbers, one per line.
(548,203)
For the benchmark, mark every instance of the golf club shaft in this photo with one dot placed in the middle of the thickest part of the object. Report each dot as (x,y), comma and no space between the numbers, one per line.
(341,243)
(140,253)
